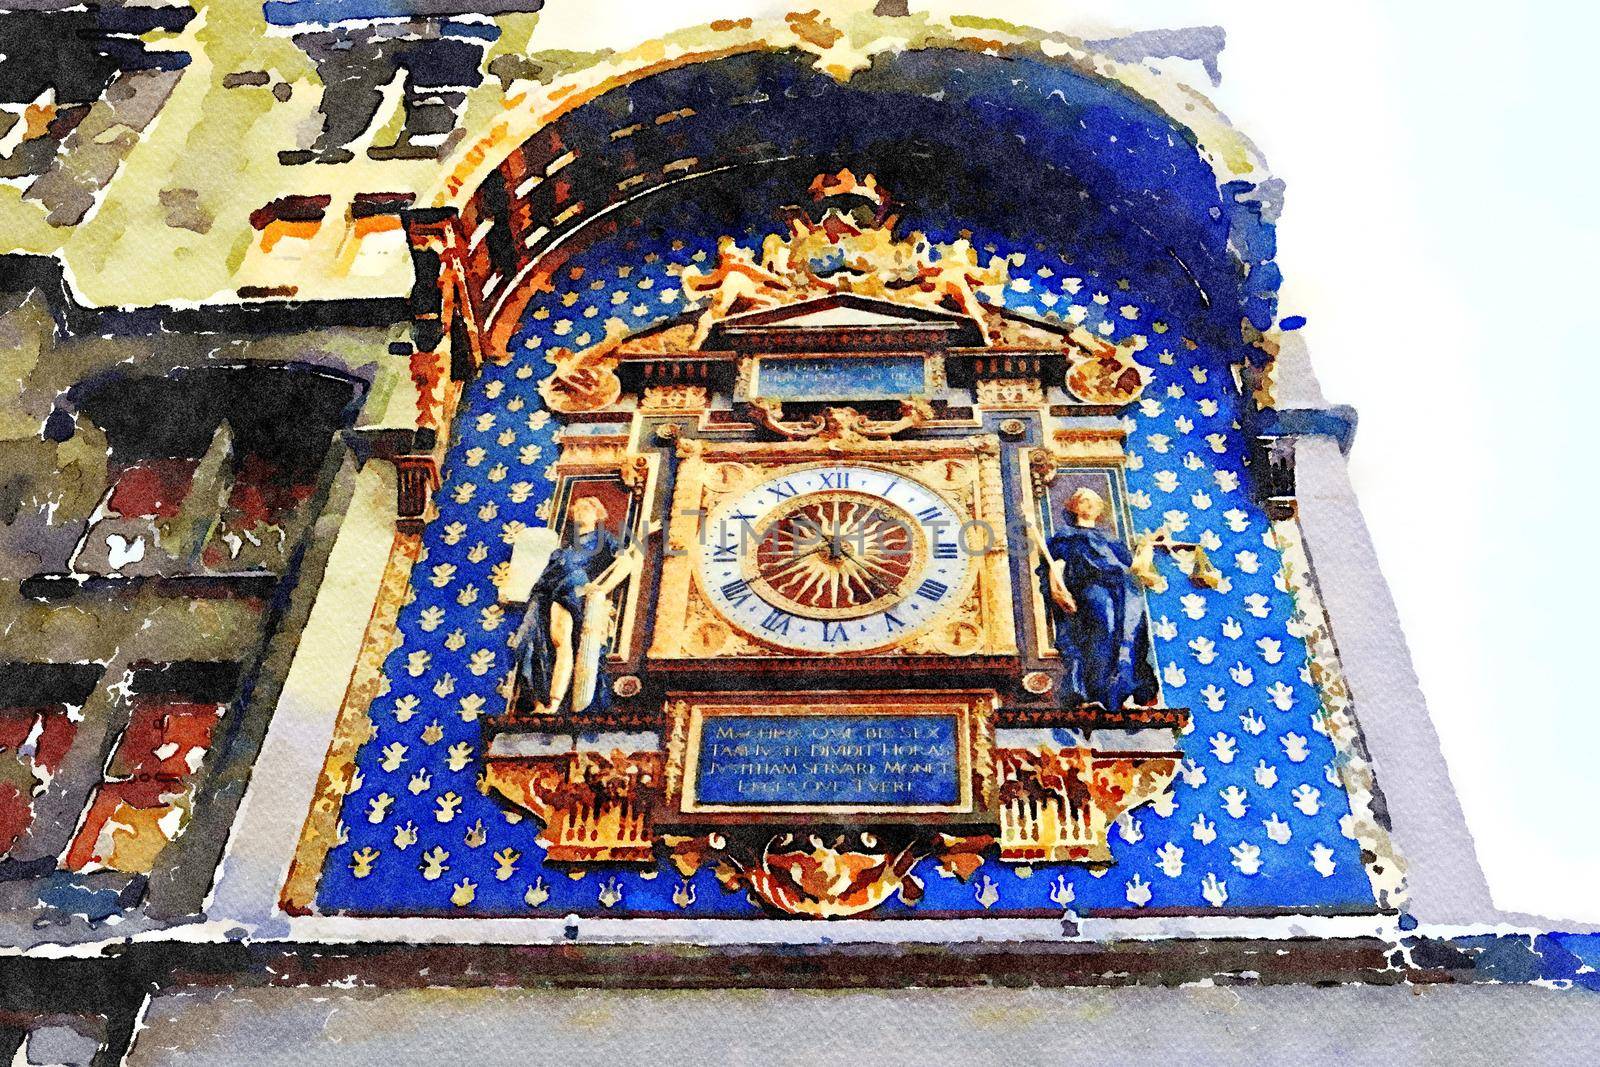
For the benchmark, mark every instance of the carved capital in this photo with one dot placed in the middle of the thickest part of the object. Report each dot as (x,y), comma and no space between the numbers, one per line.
(674,398)
(1002,394)
(416,478)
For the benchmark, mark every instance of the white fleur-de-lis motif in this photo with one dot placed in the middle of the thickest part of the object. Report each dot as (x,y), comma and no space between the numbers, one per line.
(433,864)
(537,893)
(1169,858)
(986,892)
(1215,697)
(1233,801)
(610,892)
(447,807)
(1246,858)
(1256,604)
(1242,676)
(1271,650)
(1307,799)
(1061,892)
(1204,650)
(1174,676)
(1194,605)
(1165,628)
(1129,829)
(1266,774)
(1232,629)
(1253,724)
(1203,830)
(1137,891)
(1294,746)
(1322,859)
(1164,804)
(1278,831)
(1214,891)
(1282,695)
(471,707)
(1223,747)
(1194,775)
(378,808)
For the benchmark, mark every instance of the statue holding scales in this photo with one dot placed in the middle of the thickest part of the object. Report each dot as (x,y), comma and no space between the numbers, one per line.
(1101,622)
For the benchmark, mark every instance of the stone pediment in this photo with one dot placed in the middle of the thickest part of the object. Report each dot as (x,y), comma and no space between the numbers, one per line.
(842,322)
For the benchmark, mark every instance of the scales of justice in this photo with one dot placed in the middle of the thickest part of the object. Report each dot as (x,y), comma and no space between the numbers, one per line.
(838,577)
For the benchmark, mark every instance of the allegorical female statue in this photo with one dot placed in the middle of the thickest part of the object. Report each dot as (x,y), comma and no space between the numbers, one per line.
(563,637)
(1102,626)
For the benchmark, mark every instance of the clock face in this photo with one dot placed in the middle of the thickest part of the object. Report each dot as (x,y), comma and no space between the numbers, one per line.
(836,558)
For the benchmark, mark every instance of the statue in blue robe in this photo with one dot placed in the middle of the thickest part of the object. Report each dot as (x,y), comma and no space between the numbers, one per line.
(1102,627)
(562,642)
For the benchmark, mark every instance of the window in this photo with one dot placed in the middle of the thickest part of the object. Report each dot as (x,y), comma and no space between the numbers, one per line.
(39,704)
(143,801)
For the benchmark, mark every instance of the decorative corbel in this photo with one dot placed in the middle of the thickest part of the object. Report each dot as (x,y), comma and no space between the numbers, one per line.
(595,807)
(1057,804)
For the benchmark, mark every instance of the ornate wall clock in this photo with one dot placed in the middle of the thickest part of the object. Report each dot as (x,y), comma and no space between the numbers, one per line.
(841,626)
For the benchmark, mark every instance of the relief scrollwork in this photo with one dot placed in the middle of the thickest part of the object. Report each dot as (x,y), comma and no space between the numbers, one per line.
(1104,373)
(840,424)
(1001,394)
(585,380)
(826,875)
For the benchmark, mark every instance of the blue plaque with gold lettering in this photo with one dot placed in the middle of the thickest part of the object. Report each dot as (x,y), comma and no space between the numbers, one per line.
(829,759)
(743,755)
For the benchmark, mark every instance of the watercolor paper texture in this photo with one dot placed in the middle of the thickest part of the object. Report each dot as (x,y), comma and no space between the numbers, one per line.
(822,499)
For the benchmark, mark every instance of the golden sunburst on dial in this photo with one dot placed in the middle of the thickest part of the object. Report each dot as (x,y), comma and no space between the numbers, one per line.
(834,558)
(836,555)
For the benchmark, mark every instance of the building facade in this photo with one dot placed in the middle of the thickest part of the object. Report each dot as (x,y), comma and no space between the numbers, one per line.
(824,499)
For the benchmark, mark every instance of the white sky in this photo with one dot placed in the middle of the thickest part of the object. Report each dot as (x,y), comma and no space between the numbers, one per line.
(1441,215)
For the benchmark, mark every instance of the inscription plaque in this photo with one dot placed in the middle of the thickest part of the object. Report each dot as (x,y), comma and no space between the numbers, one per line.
(829,759)
(900,756)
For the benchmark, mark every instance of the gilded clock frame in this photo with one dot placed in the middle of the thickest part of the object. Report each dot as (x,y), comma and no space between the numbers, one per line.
(964,471)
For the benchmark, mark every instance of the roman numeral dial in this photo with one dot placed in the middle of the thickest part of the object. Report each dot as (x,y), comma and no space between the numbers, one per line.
(834,559)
